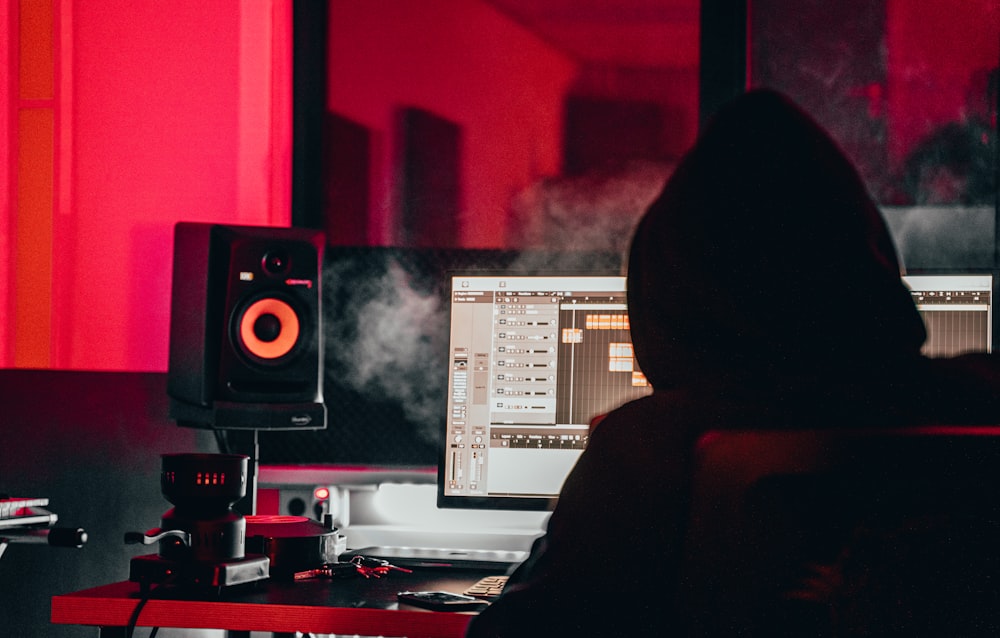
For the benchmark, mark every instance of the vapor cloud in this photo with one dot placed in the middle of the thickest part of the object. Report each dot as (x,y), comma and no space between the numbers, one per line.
(385,343)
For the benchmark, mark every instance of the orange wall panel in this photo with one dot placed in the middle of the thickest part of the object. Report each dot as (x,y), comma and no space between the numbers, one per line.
(33,248)
(6,181)
(36,78)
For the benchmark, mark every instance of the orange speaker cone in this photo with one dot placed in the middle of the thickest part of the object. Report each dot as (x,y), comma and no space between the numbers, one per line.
(288,334)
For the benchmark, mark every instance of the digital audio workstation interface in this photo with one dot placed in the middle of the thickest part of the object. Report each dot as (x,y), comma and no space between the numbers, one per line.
(957,310)
(533,361)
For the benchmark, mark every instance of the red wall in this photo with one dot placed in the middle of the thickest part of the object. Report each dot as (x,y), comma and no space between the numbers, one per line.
(156,112)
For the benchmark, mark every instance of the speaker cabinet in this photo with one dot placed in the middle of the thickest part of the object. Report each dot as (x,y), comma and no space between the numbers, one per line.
(246,341)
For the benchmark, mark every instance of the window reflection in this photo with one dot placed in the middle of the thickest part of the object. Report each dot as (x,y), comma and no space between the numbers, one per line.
(544,132)
(529,112)
(909,89)
(955,162)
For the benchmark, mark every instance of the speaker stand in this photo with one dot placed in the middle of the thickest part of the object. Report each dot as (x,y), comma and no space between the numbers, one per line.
(248,504)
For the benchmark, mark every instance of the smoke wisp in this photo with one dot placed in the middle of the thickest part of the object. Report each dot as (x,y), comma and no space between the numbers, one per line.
(385,341)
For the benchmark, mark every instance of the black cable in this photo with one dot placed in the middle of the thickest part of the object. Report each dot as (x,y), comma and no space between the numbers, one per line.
(134,618)
(222,440)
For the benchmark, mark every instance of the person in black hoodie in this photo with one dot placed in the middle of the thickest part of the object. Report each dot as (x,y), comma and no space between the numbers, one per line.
(764,292)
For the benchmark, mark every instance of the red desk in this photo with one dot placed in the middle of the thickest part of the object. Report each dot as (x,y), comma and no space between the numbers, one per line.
(353,606)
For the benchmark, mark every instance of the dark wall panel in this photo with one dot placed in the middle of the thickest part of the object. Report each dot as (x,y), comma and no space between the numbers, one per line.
(90,442)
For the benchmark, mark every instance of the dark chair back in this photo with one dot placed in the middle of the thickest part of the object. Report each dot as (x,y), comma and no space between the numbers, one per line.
(778,516)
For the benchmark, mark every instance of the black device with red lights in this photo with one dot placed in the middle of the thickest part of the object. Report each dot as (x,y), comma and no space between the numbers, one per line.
(202,539)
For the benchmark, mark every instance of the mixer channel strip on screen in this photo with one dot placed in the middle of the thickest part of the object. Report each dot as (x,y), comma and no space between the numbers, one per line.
(539,440)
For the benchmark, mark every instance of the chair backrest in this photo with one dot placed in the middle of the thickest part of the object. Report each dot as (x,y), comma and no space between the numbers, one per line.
(770,507)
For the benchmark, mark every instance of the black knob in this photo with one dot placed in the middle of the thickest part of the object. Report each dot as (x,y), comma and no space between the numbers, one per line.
(67,537)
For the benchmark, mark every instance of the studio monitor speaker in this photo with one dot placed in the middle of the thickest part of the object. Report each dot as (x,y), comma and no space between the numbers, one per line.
(246,341)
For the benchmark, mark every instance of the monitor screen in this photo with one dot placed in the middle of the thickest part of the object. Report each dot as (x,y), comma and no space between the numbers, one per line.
(957,310)
(533,359)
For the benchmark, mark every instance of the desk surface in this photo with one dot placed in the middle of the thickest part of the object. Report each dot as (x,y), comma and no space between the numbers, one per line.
(347,605)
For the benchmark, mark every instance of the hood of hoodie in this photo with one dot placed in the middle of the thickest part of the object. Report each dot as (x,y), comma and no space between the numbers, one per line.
(765,254)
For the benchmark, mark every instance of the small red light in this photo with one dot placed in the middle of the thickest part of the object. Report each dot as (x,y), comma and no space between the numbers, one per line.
(321,493)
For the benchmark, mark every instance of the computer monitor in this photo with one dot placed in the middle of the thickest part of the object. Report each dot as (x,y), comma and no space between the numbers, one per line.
(957,309)
(533,359)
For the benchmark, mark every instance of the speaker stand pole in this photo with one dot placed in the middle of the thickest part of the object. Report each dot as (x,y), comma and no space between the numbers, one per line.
(248,504)
(253,465)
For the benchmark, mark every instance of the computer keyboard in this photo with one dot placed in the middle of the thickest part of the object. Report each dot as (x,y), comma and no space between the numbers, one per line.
(487,588)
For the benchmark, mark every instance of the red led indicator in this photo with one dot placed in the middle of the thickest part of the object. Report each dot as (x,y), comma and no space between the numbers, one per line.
(321,493)
(210,478)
